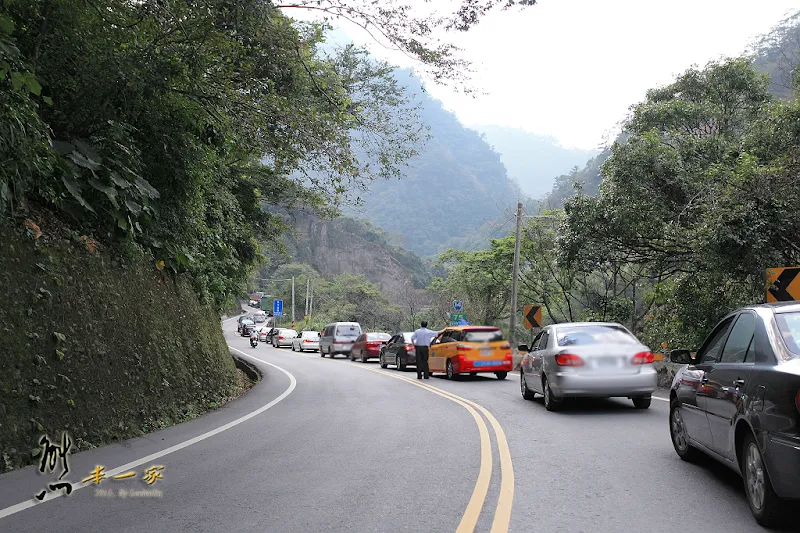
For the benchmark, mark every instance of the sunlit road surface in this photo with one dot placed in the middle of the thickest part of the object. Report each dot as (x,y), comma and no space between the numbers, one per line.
(331,445)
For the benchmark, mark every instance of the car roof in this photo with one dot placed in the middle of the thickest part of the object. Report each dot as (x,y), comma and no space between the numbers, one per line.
(471,328)
(584,324)
(778,307)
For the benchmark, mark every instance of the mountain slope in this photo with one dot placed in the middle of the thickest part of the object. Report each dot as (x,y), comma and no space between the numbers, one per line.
(533,160)
(451,189)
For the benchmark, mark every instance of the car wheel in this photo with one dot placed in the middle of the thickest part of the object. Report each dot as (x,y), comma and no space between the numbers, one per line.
(767,507)
(501,375)
(321,353)
(679,434)
(449,370)
(293,348)
(363,359)
(383,360)
(550,403)
(523,385)
(642,402)
(352,356)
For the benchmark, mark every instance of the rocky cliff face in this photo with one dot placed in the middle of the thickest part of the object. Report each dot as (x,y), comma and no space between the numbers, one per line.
(354,246)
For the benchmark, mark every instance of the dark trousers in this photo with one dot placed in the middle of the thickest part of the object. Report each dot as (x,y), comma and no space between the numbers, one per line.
(422,361)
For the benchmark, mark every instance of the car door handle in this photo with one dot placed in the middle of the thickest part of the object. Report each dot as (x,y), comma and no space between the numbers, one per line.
(738,382)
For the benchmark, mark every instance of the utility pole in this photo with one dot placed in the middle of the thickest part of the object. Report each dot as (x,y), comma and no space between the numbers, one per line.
(292,300)
(512,333)
(308,285)
(311,301)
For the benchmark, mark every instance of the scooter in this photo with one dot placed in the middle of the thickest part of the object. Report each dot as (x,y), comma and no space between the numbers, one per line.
(254,338)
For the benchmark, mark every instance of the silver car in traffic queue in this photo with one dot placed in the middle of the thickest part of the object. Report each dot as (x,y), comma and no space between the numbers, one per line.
(307,340)
(590,360)
(283,337)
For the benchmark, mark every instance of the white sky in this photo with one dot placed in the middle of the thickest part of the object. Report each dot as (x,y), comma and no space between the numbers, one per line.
(572,68)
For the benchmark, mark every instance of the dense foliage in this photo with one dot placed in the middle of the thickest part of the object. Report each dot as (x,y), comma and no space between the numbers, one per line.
(165,128)
(699,196)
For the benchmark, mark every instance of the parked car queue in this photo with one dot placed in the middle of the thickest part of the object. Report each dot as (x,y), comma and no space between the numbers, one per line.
(736,399)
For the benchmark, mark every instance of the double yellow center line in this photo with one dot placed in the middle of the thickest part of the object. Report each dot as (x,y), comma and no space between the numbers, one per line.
(502,513)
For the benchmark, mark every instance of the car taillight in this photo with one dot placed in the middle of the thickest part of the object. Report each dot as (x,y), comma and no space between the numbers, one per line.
(505,346)
(568,359)
(374,343)
(409,347)
(280,337)
(463,347)
(307,340)
(643,358)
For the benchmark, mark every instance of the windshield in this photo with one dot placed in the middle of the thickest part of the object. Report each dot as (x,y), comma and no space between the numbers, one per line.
(483,335)
(789,326)
(587,335)
(378,336)
(348,331)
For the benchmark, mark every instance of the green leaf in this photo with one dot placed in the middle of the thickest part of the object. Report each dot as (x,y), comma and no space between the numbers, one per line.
(118,180)
(47,100)
(133,206)
(144,186)
(82,161)
(6,24)
(33,84)
(75,191)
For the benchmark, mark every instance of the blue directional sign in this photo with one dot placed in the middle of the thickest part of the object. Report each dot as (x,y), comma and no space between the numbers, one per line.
(277,307)
(458,305)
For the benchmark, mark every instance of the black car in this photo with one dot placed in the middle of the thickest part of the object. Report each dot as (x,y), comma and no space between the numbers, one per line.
(738,400)
(247,326)
(398,351)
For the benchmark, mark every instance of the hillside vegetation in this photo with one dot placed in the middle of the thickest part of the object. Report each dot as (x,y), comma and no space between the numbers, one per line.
(106,348)
(455,184)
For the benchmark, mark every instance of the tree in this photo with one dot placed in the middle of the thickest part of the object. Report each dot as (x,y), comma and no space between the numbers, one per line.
(395,24)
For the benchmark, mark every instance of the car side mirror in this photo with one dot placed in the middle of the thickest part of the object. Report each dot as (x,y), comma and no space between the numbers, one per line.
(682,357)
(523,348)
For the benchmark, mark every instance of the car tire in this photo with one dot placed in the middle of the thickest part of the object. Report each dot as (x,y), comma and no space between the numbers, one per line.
(449,370)
(523,385)
(363,359)
(758,486)
(321,353)
(293,348)
(679,435)
(550,403)
(501,375)
(352,357)
(383,360)
(642,402)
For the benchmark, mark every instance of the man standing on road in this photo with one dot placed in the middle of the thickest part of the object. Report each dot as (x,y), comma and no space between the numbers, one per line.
(421,339)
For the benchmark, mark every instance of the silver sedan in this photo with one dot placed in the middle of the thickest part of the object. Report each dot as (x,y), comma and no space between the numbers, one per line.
(307,340)
(587,359)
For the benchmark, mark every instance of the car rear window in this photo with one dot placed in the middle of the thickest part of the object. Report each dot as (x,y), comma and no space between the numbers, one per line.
(378,336)
(586,335)
(483,335)
(348,331)
(789,326)
(311,334)
(407,338)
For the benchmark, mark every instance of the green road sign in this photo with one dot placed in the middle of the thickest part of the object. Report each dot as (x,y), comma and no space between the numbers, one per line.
(457,318)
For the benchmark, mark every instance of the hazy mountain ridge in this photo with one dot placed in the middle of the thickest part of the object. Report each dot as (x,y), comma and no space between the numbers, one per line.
(533,160)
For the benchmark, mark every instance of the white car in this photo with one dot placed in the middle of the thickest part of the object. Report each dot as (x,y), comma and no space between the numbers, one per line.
(284,337)
(262,332)
(307,340)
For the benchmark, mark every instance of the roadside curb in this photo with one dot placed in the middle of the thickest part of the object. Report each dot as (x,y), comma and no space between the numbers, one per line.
(252,370)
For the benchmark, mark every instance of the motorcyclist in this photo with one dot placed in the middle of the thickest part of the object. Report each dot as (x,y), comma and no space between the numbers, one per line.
(253,337)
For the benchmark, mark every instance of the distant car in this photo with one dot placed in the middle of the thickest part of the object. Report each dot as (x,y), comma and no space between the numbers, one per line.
(738,401)
(239,322)
(283,337)
(338,337)
(587,359)
(306,340)
(263,332)
(399,351)
(470,349)
(253,303)
(259,317)
(247,325)
(368,346)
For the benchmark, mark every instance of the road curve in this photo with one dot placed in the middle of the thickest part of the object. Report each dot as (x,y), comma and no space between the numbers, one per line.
(356,448)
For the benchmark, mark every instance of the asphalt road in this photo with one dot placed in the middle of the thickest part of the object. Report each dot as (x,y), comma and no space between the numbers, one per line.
(331,445)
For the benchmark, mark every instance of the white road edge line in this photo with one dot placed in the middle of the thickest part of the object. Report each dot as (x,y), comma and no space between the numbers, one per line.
(8,511)
(660,398)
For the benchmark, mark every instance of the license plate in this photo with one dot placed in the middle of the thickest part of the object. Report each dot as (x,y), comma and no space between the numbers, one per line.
(487,363)
(606,362)
(487,351)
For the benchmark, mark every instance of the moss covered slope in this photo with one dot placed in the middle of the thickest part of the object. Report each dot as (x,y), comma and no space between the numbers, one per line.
(104,349)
